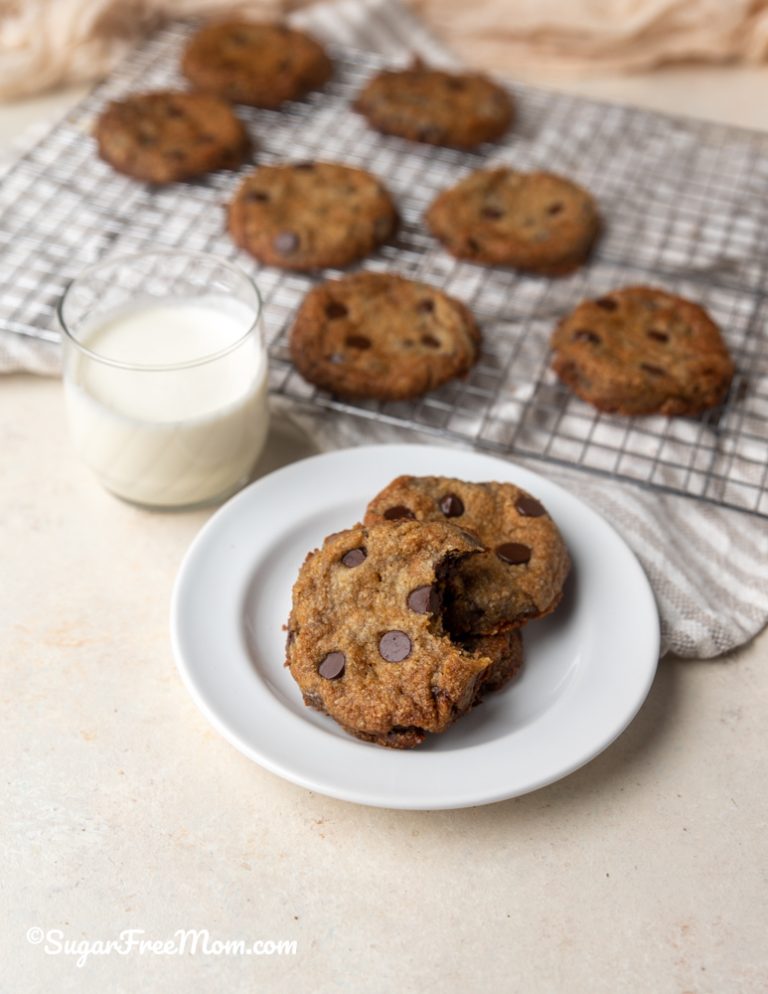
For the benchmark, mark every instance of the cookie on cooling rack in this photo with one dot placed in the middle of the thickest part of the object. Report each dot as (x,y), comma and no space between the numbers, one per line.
(255,63)
(380,335)
(165,136)
(640,350)
(537,222)
(521,573)
(366,642)
(460,110)
(310,215)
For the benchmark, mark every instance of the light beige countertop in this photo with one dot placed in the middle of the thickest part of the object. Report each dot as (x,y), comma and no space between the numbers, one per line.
(644,872)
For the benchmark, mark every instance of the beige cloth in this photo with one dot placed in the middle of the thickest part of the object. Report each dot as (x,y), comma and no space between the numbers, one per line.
(44,43)
(578,35)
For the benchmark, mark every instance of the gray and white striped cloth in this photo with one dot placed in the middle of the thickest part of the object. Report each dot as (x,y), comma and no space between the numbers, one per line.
(708,566)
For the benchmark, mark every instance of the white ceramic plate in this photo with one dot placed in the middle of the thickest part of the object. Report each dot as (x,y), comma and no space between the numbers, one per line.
(587,668)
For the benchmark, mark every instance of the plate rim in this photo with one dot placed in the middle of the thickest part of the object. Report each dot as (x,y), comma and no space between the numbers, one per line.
(448,800)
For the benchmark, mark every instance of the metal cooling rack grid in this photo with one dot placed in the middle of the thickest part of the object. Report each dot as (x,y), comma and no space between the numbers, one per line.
(685,209)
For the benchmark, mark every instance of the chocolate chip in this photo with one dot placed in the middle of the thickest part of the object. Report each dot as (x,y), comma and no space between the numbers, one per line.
(652,370)
(257,195)
(472,245)
(554,209)
(451,506)
(513,553)
(397,513)
(429,134)
(658,336)
(174,112)
(333,310)
(354,557)
(332,667)
(358,342)
(607,303)
(424,600)
(303,165)
(430,341)
(528,506)
(285,242)
(425,306)
(586,335)
(455,83)
(394,646)
(492,212)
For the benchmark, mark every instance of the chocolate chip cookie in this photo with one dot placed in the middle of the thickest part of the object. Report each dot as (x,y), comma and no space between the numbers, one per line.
(253,63)
(379,335)
(643,351)
(309,215)
(366,642)
(521,573)
(166,136)
(537,222)
(460,110)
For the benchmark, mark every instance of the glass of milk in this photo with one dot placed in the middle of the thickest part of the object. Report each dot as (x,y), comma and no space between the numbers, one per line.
(165,376)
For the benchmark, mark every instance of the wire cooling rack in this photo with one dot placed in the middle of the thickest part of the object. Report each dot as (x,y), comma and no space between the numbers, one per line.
(685,208)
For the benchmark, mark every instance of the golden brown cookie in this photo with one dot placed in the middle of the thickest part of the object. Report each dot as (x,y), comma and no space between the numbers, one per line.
(506,653)
(380,335)
(309,215)
(255,63)
(166,136)
(642,351)
(366,643)
(531,221)
(437,107)
(521,574)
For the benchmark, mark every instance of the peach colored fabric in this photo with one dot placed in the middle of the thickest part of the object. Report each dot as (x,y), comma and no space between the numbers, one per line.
(46,42)
(600,34)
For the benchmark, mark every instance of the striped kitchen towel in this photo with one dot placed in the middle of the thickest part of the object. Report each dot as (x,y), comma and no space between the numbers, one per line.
(708,566)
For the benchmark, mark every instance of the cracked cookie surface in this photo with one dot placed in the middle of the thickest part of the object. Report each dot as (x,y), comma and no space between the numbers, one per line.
(519,576)
(640,350)
(538,222)
(459,110)
(380,335)
(366,642)
(166,136)
(311,215)
(255,63)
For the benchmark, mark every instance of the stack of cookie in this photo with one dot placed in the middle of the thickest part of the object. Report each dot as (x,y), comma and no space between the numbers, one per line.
(400,624)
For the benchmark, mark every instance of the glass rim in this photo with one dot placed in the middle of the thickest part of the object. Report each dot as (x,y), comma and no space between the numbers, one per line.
(161,367)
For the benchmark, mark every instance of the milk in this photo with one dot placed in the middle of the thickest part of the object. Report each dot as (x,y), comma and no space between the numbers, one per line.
(183,433)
